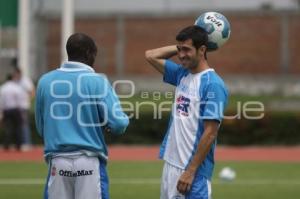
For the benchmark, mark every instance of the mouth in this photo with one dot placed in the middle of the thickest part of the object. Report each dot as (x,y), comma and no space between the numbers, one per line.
(185,61)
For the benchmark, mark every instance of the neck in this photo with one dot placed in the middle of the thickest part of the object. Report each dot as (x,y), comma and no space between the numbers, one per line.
(82,61)
(202,66)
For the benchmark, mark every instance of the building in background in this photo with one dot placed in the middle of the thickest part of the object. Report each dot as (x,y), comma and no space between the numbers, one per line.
(264,43)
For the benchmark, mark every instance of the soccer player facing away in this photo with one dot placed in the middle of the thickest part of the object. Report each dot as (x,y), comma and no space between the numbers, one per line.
(200,97)
(74,107)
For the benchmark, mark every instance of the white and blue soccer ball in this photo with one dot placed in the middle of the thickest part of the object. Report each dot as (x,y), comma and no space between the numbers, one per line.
(217,27)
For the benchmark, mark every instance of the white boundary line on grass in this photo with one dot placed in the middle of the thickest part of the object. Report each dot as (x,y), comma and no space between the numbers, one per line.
(138,181)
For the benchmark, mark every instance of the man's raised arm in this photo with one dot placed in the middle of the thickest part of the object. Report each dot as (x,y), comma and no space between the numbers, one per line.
(157,57)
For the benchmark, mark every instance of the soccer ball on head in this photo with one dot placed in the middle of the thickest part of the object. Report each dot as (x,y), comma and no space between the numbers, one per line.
(217,27)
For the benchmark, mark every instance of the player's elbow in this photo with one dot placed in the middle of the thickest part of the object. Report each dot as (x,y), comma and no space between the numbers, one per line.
(39,130)
(149,55)
(212,135)
(120,126)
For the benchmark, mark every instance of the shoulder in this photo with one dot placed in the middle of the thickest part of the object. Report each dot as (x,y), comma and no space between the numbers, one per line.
(46,78)
(211,77)
(101,77)
(178,69)
(93,78)
(211,80)
(48,75)
(174,65)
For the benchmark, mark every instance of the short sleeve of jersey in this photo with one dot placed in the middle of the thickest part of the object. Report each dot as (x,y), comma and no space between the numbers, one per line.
(216,97)
(172,72)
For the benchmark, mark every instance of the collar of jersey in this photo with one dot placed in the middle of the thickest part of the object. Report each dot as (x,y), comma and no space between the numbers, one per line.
(72,66)
(202,72)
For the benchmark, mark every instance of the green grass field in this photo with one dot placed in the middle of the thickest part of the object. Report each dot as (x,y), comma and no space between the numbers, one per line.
(140,180)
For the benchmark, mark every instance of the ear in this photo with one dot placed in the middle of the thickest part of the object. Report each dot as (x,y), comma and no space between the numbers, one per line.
(201,50)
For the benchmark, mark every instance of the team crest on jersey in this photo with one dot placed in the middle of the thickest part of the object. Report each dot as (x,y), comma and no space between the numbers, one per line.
(182,105)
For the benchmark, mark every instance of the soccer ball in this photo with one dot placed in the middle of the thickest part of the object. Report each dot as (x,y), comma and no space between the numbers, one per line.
(217,27)
(227,174)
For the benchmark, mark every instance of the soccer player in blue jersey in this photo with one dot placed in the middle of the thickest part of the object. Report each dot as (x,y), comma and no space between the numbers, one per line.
(200,97)
(74,107)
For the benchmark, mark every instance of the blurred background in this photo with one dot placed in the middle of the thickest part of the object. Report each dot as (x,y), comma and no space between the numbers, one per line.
(260,61)
(260,64)
(261,54)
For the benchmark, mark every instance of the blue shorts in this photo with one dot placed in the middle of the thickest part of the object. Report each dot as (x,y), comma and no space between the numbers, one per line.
(201,188)
(81,176)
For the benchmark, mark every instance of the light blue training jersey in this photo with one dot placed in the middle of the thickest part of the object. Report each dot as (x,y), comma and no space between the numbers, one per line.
(73,106)
(198,97)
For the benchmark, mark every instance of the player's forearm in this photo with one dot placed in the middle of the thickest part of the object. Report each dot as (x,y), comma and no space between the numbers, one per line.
(165,52)
(203,149)
(156,57)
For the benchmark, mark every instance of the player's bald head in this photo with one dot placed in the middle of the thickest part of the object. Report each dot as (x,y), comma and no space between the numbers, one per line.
(82,48)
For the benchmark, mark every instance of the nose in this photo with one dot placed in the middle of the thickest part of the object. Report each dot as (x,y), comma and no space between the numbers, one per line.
(181,54)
